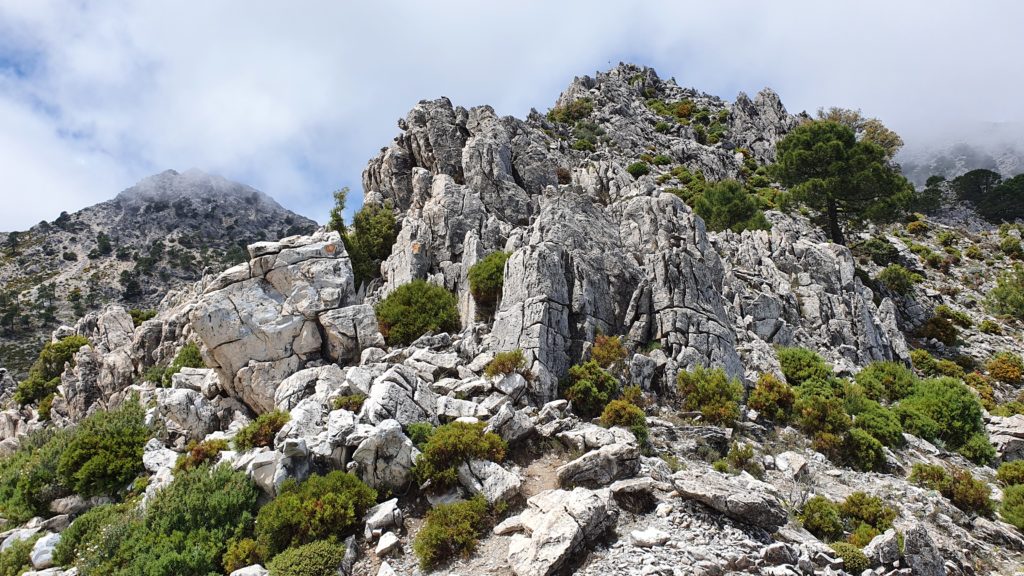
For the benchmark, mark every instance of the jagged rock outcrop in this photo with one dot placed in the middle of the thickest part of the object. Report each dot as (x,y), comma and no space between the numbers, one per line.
(741,498)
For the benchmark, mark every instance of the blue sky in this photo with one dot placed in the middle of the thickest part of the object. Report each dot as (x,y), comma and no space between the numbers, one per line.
(97,95)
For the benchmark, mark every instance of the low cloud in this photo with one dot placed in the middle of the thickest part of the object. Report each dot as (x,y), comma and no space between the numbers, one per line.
(293,99)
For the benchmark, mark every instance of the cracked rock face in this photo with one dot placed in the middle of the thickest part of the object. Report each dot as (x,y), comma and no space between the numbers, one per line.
(259,321)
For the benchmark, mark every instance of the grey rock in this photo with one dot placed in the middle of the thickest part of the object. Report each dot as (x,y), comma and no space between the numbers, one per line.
(387,544)
(385,458)
(920,553)
(383,516)
(741,498)
(490,479)
(883,549)
(400,394)
(601,467)
(511,424)
(559,524)
(635,494)
(780,553)
(254,570)
(42,551)
(349,331)
(649,538)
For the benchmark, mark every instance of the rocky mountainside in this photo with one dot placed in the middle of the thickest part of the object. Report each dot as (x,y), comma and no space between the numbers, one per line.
(161,234)
(918,165)
(588,202)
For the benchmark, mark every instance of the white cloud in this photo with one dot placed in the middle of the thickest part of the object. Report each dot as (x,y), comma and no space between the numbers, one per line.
(293,99)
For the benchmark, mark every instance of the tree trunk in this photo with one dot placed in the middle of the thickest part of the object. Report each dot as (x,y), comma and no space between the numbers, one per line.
(833,223)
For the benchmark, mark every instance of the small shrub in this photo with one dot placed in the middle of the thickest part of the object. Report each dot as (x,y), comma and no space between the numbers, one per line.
(45,406)
(188,357)
(1011,473)
(862,535)
(947,238)
(17,558)
(634,395)
(898,279)
(506,363)
(820,516)
(638,169)
(241,552)
(487,278)
(712,393)
(1007,297)
(917,422)
(923,362)
(451,445)
(320,558)
(140,316)
(959,486)
(104,453)
(800,365)
(741,457)
(590,389)
(563,175)
(862,451)
(450,530)
(951,405)
(628,416)
(44,376)
(728,205)
(261,431)
(85,531)
(607,351)
(988,326)
(861,508)
(201,454)
(940,329)
(974,252)
(1011,247)
(917,228)
(882,424)
(1012,508)
(415,309)
(571,112)
(154,374)
(978,449)
(854,560)
(420,433)
(879,250)
(949,368)
(1005,367)
(818,411)
(957,317)
(773,398)
(350,402)
(890,381)
(321,507)
(661,160)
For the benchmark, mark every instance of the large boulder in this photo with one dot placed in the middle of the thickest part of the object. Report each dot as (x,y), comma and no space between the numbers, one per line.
(1007,435)
(385,458)
(490,479)
(259,321)
(558,525)
(921,554)
(400,394)
(601,467)
(349,331)
(742,498)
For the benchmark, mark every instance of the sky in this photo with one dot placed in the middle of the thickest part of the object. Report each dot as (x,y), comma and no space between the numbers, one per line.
(293,98)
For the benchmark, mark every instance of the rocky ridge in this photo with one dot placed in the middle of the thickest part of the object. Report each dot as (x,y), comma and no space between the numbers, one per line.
(593,249)
(163,233)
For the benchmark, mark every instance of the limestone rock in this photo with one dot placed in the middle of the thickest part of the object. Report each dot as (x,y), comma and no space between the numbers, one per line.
(254,570)
(883,549)
(399,394)
(558,524)
(741,498)
(601,467)
(490,479)
(920,553)
(649,538)
(349,331)
(385,458)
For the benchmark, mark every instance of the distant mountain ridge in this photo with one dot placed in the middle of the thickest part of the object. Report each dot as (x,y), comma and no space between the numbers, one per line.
(153,237)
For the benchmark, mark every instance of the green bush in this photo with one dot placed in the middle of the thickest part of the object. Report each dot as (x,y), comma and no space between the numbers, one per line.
(889,381)
(86,531)
(959,486)
(415,309)
(451,445)
(861,508)
(741,457)
(940,329)
(728,205)
(419,433)
(819,411)
(28,478)
(1007,297)
(104,453)
(661,160)
(626,415)
(820,516)
(712,393)
(854,560)
(951,405)
(978,449)
(17,558)
(44,376)
(350,402)
(917,228)
(898,279)
(1011,247)
(590,389)
(241,552)
(917,422)
(139,316)
(923,362)
(1012,508)
(506,363)
(183,531)
(320,558)
(201,454)
(450,530)
(638,169)
(261,431)
(368,242)
(486,279)
(879,250)
(188,357)
(1005,367)
(1011,473)
(576,110)
(861,451)
(318,508)
(988,326)
(608,351)
(773,398)
(882,424)
(801,364)
(957,317)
